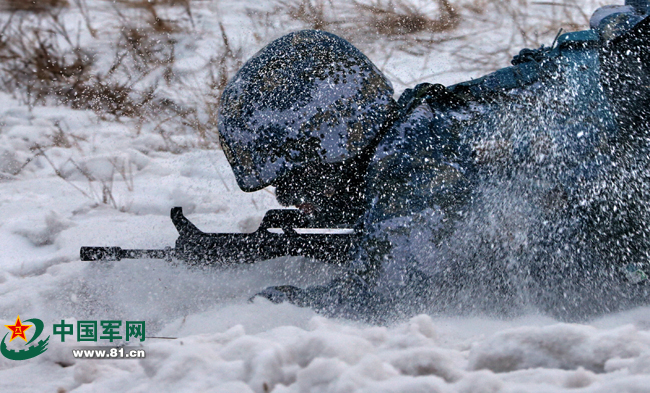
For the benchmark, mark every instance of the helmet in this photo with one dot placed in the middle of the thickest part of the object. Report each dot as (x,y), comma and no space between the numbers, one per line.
(309,97)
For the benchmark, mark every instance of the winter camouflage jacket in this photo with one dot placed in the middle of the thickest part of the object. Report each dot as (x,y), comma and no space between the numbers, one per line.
(526,187)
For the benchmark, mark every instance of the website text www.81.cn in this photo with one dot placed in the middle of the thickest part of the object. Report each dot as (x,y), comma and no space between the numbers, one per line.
(109,353)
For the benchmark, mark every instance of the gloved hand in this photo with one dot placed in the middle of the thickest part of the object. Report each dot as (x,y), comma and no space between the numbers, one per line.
(348,297)
(284,293)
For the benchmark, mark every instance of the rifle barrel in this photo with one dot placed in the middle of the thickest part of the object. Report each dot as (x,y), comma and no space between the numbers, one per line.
(117,253)
(196,247)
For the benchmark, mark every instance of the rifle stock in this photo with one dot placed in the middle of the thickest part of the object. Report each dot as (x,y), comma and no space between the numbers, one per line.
(196,247)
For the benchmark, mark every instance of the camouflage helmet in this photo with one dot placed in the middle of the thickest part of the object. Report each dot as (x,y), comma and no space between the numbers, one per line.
(307,97)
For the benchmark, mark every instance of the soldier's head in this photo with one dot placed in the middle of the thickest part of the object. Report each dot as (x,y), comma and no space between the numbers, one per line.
(302,112)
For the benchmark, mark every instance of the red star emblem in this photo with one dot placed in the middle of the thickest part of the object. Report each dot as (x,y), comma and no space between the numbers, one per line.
(18,329)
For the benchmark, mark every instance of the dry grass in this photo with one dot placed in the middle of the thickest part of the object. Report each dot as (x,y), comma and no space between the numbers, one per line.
(398,17)
(100,190)
(534,23)
(151,8)
(36,65)
(388,24)
(41,61)
(202,115)
(145,50)
(154,3)
(32,5)
(385,18)
(312,13)
(419,28)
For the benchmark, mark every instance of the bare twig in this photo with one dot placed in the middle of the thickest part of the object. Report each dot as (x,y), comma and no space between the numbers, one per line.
(83,9)
(58,172)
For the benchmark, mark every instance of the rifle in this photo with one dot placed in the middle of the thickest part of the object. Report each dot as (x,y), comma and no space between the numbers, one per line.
(276,236)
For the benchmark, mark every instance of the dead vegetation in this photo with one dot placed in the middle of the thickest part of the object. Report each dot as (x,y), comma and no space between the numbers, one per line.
(42,61)
(374,20)
(525,16)
(532,24)
(312,13)
(36,6)
(387,18)
(154,3)
(98,185)
(398,18)
(151,8)
(100,189)
(221,67)
(423,28)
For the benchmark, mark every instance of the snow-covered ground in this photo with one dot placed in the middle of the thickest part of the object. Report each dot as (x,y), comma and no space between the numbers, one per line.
(70,178)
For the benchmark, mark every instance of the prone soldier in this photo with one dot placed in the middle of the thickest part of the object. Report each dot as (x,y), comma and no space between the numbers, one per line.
(526,187)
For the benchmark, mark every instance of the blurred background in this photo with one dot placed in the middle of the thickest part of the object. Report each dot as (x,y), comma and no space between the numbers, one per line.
(161,65)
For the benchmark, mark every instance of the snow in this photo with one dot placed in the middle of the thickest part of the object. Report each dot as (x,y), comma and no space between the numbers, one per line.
(311,353)
(116,183)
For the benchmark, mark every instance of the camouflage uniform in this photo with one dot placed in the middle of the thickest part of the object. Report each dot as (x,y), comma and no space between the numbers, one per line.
(485,194)
(515,189)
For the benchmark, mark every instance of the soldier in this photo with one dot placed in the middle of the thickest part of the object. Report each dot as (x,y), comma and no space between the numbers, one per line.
(493,194)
